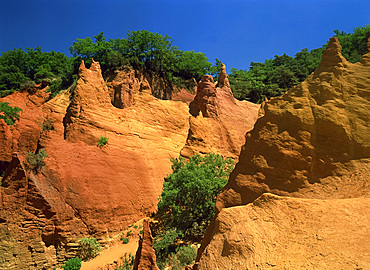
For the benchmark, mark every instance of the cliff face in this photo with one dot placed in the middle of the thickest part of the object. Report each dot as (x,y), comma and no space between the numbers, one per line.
(87,190)
(312,142)
(277,232)
(218,121)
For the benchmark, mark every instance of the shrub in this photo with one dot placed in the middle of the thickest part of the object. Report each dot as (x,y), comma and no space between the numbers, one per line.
(8,113)
(187,202)
(88,248)
(128,233)
(72,264)
(125,240)
(186,255)
(128,262)
(48,124)
(36,161)
(102,141)
(164,244)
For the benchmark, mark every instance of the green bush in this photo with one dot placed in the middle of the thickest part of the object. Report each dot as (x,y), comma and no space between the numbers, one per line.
(102,141)
(48,124)
(164,244)
(72,264)
(125,240)
(187,202)
(36,161)
(128,262)
(88,248)
(8,113)
(186,255)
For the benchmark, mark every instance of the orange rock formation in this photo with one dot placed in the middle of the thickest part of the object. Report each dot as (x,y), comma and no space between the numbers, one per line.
(84,190)
(313,142)
(145,258)
(291,233)
(219,122)
(87,190)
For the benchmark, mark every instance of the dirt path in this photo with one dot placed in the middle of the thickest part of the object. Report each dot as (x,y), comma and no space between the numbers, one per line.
(112,254)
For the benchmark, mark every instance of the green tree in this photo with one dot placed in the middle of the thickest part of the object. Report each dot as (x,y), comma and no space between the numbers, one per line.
(274,76)
(32,65)
(8,113)
(187,202)
(192,65)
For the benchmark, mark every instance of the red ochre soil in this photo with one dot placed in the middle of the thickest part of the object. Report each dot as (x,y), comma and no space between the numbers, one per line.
(84,190)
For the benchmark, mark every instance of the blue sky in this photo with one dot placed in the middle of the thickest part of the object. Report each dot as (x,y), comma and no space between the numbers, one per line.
(234,31)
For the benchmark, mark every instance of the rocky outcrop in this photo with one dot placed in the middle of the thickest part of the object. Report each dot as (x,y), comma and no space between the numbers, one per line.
(277,232)
(312,142)
(223,78)
(123,87)
(23,136)
(30,234)
(145,258)
(91,191)
(219,122)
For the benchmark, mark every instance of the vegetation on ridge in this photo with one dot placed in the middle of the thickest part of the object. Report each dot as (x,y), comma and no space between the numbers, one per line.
(274,76)
(156,54)
(8,113)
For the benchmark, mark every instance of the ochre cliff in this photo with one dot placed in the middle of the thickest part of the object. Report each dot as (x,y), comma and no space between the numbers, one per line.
(87,190)
(277,232)
(218,121)
(313,142)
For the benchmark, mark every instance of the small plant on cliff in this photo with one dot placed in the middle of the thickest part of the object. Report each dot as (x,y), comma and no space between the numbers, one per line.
(48,124)
(88,248)
(8,113)
(125,240)
(72,264)
(102,141)
(36,161)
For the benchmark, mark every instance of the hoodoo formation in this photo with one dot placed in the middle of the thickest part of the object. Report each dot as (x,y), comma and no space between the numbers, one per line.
(313,143)
(218,121)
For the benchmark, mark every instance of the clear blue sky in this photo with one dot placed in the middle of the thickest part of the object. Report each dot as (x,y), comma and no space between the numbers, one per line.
(234,31)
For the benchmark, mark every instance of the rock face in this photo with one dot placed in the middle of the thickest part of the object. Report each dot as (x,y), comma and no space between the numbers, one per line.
(219,122)
(313,142)
(145,258)
(277,232)
(87,190)
(122,88)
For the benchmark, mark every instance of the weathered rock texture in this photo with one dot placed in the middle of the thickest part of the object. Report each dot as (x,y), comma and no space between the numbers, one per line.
(86,190)
(277,232)
(219,122)
(145,258)
(313,142)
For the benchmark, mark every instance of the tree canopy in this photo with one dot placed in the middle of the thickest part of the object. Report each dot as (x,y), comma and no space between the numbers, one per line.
(155,53)
(19,68)
(143,49)
(274,76)
(187,202)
